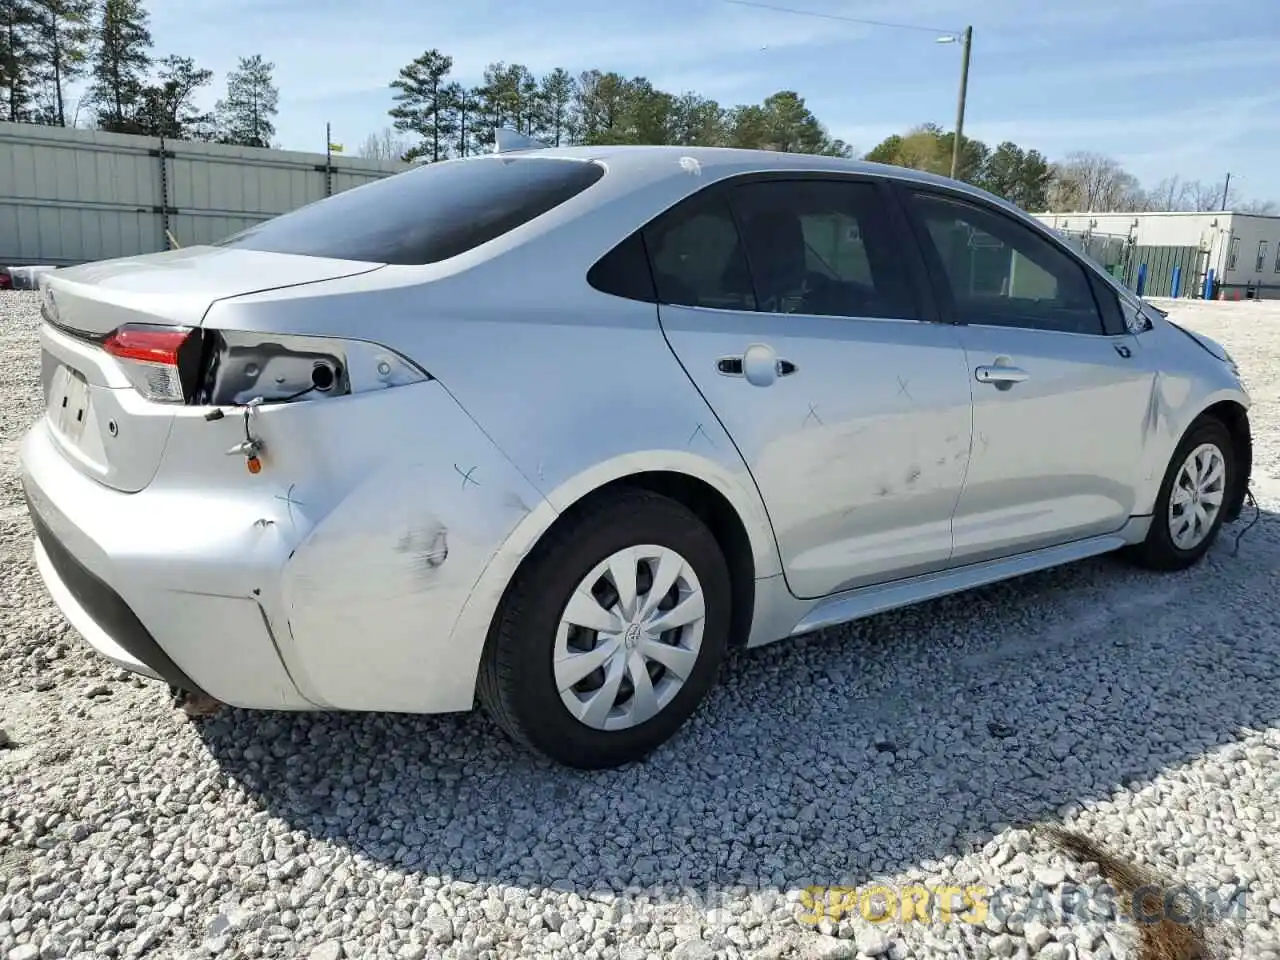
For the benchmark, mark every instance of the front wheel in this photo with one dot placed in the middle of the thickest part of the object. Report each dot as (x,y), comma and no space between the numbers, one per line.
(1189,509)
(610,637)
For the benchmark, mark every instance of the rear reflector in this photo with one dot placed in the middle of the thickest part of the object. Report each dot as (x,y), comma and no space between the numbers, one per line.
(152,358)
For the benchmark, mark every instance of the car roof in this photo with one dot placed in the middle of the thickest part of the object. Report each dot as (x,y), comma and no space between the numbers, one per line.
(636,158)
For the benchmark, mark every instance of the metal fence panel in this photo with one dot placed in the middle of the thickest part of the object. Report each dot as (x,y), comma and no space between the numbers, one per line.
(1160,263)
(71,195)
(1124,260)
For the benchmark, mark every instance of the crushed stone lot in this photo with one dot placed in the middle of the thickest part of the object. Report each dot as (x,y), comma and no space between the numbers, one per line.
(919,748)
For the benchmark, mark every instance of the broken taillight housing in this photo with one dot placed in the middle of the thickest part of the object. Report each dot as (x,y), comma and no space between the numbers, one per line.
(234,368)
(241,367)
(161,362)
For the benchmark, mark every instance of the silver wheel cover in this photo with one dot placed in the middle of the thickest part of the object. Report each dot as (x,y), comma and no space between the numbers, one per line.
(1195,501)
(629,637)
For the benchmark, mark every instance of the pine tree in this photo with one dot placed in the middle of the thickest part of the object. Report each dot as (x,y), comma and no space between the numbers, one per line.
(63,36)
(168,110)
(19,58)
(462,108)
(556,94)
(121,64)
(421,106)
(246,116)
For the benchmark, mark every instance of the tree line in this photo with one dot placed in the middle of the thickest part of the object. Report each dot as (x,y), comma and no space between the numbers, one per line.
(1080,181)
(436,117)
(445,118)
(47,46)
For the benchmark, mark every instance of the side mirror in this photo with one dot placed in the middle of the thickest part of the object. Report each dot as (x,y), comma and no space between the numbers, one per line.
(1136,319)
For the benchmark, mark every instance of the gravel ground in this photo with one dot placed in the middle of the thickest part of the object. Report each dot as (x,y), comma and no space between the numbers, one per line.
(915,748)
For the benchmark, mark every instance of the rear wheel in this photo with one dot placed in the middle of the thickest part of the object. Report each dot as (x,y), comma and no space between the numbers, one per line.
(1189,509)
(610,637)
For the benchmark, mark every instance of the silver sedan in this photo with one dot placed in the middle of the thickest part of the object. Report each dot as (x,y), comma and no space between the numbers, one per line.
(557,429)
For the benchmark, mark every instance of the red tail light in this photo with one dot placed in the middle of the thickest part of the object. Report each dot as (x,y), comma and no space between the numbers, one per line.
(147,344)
(159,361)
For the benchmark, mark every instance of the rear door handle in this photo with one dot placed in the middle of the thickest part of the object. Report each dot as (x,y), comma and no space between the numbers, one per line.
(729,366)
(1001,376)
(759,365)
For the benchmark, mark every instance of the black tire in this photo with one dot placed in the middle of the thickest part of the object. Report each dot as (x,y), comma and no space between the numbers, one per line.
(517,684)
(1158,551)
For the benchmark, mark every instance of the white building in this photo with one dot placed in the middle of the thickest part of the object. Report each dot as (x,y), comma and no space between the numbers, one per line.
(1242,250)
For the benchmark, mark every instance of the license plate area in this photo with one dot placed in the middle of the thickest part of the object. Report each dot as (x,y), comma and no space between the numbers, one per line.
(68,403)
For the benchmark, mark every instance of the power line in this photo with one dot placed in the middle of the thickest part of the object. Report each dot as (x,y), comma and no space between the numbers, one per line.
(834,16)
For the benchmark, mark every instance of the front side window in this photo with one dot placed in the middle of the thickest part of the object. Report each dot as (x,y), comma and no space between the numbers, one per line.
(1262,257)
(1002,273)
(426,215)
(1233,253)
(824,247)
(1278,258)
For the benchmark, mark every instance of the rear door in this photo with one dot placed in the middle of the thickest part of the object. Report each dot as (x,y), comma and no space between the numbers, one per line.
(1061,398)
(794,306)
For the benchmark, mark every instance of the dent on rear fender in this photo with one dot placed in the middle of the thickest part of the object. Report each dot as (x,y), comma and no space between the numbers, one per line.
(373,591)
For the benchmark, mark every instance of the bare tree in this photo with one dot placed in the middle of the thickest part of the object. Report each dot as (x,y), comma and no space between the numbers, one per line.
(1204,196)
(1169,194)
(1267,208)
(1089,182)
(383,145)
(1175,194)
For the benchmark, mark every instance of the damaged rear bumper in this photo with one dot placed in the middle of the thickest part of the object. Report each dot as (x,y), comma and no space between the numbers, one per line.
(122,570)
(334,579)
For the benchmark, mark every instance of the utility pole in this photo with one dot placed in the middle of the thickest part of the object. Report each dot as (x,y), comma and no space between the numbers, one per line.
(328,161)
(1225,189)
(967,41)
(964,37)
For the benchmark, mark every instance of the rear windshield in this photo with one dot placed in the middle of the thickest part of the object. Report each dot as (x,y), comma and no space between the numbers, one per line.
(425,215)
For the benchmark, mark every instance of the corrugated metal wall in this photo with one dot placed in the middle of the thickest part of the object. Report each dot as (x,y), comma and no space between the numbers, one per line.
(1190,262)
(68,196)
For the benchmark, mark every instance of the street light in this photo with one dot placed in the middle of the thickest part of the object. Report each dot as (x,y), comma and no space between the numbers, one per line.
(964,37)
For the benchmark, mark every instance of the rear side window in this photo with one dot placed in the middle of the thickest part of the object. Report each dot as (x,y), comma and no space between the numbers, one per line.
(425,215)
(698,258)
(824,247)
(624,272)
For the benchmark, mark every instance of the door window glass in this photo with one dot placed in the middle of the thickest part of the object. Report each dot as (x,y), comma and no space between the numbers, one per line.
(697,256)
(1000,272)
(824,247)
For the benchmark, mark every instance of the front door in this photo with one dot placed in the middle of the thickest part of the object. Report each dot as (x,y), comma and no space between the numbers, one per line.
(1060,393)
(792,305)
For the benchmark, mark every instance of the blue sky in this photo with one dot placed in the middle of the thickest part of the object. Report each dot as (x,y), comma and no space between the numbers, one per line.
(1168,87)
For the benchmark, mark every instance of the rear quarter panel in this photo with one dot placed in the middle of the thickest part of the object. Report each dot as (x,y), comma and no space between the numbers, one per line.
(574,387)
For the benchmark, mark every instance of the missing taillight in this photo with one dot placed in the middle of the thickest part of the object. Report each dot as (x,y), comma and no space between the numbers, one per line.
(162,363)
(323,377)
(242,367)
(246,367)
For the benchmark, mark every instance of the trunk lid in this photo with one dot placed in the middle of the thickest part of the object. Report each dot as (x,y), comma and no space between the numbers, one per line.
(101,423)
(177,287)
